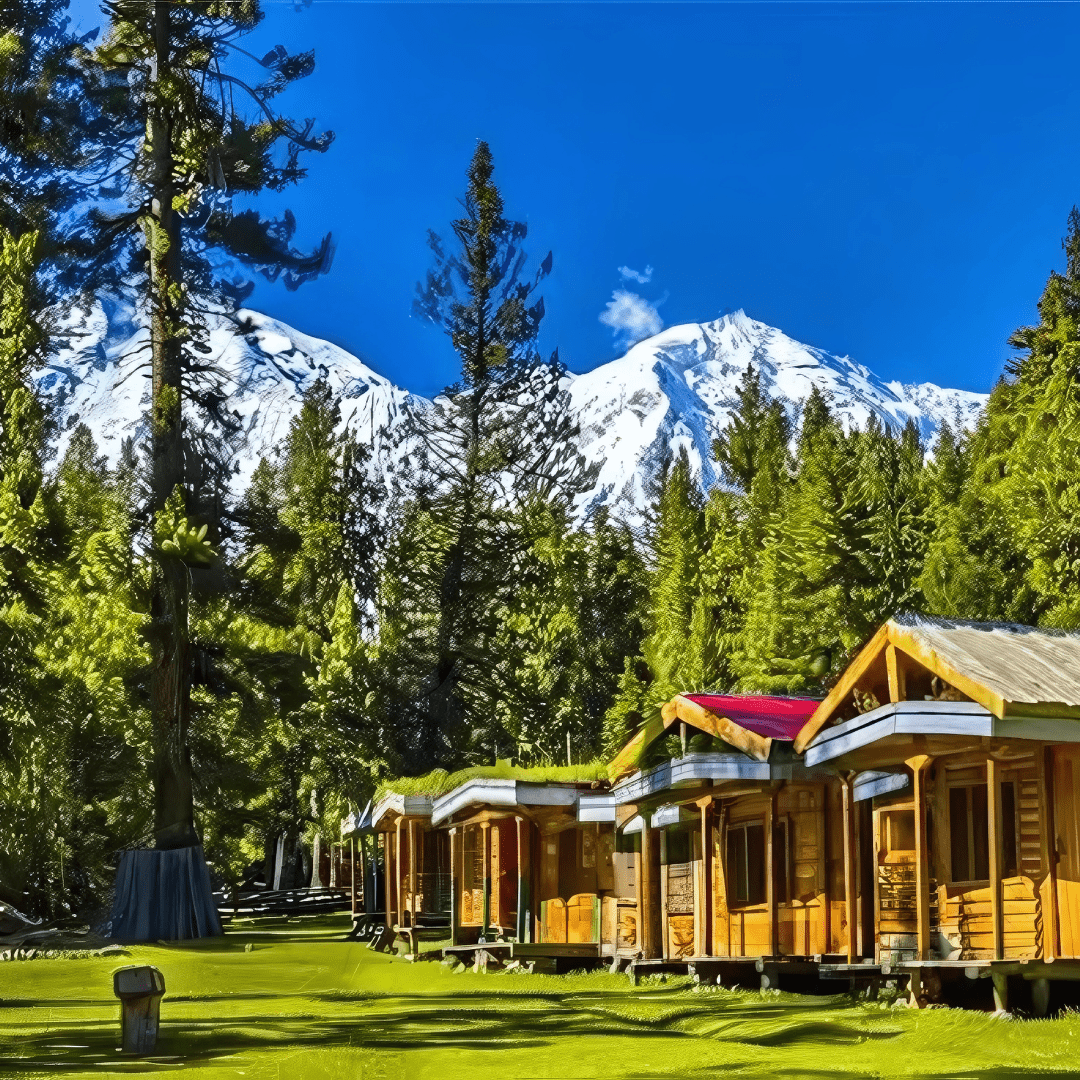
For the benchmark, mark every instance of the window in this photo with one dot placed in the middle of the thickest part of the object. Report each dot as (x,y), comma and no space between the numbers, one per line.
(969,832)
(746,864)
(678,846)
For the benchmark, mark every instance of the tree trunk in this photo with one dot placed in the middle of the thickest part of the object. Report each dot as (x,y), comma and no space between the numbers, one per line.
(170,675)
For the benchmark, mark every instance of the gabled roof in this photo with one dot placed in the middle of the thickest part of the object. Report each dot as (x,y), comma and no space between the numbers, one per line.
(1009,669)
(748,722)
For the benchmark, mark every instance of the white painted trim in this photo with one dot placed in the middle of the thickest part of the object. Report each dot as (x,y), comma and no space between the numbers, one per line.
(484,791)
(600,808)
(934,718)
(869,784)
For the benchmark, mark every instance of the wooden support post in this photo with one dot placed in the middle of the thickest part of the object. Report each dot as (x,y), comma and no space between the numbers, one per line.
(875,855)
(399,911)
(455,887)
(850,905)
(771,898)
(388,881)
(994,830)
(1040,996)
(485,840)
(412,872)
(664,947)
(704,943)
(897,681)
(352,874)
(683,737)
(918,766)
(1001,991)
(1051,944)
(645,901)
(524,901)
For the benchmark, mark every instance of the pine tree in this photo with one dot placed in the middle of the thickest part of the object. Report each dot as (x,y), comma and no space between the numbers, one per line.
(168,65)
(499,439)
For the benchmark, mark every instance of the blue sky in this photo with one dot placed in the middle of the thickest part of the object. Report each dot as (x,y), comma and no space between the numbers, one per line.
(889,181)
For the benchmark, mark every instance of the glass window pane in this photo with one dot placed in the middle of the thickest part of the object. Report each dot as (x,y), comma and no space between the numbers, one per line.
(958,833)
(980,830)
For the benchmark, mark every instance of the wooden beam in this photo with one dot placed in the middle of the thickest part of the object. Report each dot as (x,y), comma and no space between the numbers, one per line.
(524,902)
(904,639)
(646,942)
(897,680)
(918,765)
(352,875)
(412,871)
(854,671)
(664,948)
(690,712)
(388,880)
(455,886)
(771,898)
(850,901)
(399,910)
(995,836)
(704,908)
(1051,944)
(485,840)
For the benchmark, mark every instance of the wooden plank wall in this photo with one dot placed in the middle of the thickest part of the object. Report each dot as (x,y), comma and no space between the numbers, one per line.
(802,929)
(1066,813)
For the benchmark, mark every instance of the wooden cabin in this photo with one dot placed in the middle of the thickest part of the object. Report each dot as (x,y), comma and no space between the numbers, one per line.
(416,863)
(525,868)
(735,851)
(964,741)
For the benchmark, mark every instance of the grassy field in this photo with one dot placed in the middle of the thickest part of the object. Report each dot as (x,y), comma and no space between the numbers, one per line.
(291,1000)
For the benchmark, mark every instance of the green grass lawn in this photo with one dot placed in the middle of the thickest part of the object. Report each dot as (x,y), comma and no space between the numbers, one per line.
(303,1004)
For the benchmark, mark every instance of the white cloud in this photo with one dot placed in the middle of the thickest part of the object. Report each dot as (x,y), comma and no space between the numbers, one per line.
(642,277)
(631,317)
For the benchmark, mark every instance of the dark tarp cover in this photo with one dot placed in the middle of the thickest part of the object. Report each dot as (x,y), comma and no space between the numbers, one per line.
(163,896)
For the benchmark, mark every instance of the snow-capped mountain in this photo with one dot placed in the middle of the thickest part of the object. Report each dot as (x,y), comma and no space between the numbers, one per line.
(678,390)
(675,390)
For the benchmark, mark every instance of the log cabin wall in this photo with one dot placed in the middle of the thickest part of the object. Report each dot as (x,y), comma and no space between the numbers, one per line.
(1065,845)
(739,866)
(960,849)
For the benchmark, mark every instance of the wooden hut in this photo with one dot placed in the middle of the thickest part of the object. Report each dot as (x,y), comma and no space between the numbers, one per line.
(416,865)
(965,740)
(528,875)
(731,851)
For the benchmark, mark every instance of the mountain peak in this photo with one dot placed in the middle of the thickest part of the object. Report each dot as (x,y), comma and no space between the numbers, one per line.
(672,393)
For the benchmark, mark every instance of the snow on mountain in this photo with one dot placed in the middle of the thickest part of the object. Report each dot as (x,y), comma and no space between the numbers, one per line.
(673,391)
(677,390)
(102,379)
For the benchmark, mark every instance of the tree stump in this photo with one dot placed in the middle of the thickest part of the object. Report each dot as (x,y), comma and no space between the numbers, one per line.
(140,990)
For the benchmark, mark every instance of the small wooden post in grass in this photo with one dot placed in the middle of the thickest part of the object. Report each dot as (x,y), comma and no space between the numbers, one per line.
(140,990)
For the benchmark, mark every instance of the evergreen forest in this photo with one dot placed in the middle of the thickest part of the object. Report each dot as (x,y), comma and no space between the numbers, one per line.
(181,659)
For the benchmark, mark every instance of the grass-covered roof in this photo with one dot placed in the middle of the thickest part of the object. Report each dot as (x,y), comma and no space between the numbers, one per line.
(439,781)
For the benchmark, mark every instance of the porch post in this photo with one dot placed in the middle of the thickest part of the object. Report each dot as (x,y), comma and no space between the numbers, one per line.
(412,872)
(645,934)
(388,879)
(918,766)
(485,839)
(399,910)
(523,899)
(454,884)
(850,905)
(663,895)
(994,836)
(352,874)
(704,944)
(771,899)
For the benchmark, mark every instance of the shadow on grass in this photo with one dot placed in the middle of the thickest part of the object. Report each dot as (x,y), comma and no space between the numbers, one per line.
(485,1022)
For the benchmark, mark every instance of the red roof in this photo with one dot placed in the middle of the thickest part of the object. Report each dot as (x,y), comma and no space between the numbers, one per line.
(765,715)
